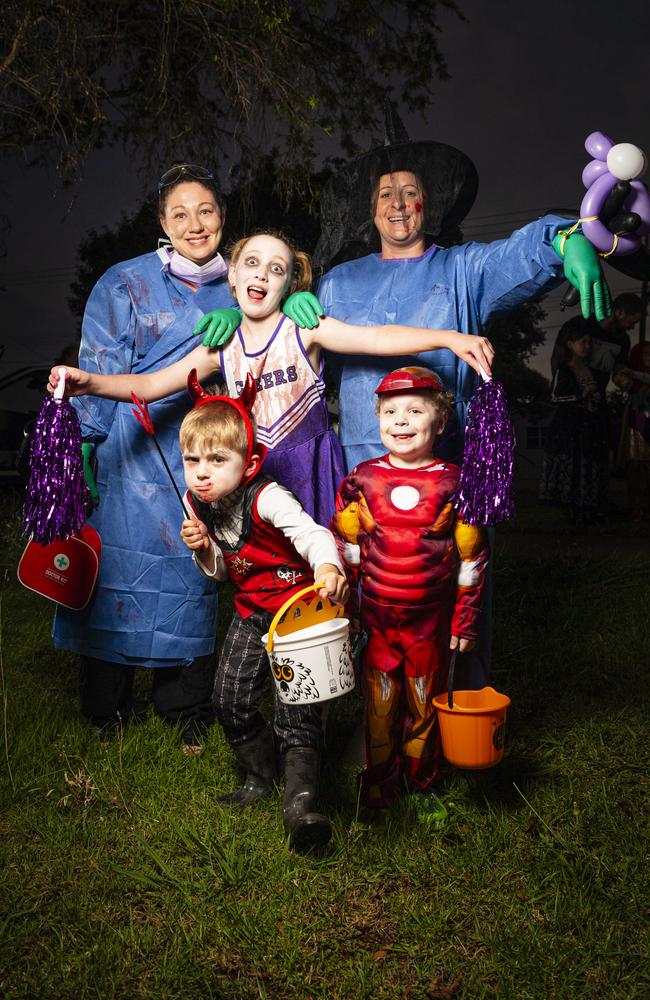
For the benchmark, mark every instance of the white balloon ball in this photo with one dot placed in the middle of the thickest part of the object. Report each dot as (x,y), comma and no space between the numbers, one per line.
(626,161)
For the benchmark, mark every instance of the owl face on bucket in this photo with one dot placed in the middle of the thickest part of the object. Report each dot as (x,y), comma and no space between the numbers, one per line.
(294,680)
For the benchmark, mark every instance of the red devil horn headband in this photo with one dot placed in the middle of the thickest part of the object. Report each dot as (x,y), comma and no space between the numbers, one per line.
(199,395)
(243,404)
(196,390)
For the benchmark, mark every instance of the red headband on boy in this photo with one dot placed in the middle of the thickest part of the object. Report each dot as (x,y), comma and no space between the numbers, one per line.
(243,404)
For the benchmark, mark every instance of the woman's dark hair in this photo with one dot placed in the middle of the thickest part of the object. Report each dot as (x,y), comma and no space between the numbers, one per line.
(630,303)
(182,172)
(562,353)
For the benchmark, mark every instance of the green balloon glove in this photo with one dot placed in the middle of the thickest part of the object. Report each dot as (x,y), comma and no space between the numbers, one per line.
(218,326)
(582,269)
(304,309)
(87,450)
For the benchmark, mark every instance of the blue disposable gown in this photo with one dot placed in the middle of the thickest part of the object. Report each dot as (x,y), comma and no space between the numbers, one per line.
(151,608)
(455,289)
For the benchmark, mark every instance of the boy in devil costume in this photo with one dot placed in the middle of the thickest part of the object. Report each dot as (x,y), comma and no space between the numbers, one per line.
(421,572)
(253,530)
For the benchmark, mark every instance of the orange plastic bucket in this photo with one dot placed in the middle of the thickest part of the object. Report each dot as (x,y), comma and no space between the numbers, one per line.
(472,725)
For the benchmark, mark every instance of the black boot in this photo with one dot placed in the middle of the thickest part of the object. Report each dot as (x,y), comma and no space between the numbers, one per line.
(305,828)
(257,758)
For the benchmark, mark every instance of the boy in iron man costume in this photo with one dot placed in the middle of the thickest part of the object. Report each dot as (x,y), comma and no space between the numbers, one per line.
(420,573)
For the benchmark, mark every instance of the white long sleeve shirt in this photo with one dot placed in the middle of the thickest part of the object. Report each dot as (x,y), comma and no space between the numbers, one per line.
(279,507)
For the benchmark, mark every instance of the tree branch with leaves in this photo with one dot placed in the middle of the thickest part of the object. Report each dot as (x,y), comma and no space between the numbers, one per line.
(210,79)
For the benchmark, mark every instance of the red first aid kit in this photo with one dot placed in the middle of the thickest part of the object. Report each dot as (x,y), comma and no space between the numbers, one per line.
(65,572)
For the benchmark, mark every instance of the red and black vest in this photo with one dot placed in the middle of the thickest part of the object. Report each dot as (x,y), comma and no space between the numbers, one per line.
(263,564)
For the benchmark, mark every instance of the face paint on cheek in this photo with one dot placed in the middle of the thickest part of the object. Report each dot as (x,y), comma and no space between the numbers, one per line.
(418,206)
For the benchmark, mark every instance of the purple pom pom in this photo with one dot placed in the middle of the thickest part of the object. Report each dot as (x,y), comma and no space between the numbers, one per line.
(57,495)
(484,495)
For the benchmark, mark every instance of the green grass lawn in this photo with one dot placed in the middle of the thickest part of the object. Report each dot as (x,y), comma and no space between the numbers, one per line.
(122,879)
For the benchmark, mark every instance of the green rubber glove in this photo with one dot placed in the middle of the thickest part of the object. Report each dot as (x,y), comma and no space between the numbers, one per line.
(218,326)
(582,269)
(87,450)
(304,309)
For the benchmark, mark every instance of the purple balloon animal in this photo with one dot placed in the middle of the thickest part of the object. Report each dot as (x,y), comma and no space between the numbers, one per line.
(613,163)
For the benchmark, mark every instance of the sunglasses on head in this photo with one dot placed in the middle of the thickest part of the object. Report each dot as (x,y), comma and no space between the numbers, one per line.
(191,170)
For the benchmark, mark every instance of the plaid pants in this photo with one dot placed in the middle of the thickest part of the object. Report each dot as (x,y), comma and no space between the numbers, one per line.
(242,672)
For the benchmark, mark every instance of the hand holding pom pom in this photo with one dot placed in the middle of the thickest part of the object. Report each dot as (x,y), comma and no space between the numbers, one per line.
(57,495)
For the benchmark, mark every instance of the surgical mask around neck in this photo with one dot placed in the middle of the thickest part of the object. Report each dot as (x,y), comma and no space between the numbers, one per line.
(185,269)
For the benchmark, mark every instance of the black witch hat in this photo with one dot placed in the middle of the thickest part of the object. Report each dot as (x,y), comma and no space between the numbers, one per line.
(448,177)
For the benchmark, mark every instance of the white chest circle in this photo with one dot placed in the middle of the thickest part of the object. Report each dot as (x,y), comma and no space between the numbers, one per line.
(405,497)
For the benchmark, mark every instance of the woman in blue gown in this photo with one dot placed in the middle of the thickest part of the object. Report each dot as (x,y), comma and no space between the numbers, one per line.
(151,608)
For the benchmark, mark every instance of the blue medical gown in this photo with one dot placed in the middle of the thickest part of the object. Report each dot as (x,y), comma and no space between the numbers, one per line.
(455,289)
(151,607)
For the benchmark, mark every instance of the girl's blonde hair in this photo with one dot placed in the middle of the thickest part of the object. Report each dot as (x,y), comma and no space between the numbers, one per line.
(301,272)
(213,426)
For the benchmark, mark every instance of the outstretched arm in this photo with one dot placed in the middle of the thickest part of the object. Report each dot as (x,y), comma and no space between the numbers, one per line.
(344,338)
(277,506)
(147,385)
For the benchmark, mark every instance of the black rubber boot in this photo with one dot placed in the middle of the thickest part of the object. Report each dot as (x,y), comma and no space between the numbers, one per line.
(305,828)
(257,758)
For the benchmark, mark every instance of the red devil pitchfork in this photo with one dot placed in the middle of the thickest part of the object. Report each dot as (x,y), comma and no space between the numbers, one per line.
(141,413)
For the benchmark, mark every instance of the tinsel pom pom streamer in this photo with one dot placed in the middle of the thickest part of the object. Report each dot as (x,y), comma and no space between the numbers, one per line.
(57,496)
(485,491)
(140,411)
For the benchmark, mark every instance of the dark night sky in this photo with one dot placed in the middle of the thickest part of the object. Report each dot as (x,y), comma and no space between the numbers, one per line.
(529,83)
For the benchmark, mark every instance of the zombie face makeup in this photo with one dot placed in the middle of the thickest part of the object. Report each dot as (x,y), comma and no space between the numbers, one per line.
(399,214)
(261,275)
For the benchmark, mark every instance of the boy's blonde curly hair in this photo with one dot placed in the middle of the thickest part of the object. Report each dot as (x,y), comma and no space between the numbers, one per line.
(213,426)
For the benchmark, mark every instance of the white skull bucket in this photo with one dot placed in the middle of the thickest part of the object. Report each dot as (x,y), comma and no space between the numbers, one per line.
(309,649)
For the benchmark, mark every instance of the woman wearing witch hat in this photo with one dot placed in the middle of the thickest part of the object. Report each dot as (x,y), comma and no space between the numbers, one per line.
(389,234)
(397,210)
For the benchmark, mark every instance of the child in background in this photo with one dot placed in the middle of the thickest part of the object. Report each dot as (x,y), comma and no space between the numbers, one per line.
(286,364)
(576,445)
(638,431)
(420,572)
(249,528)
